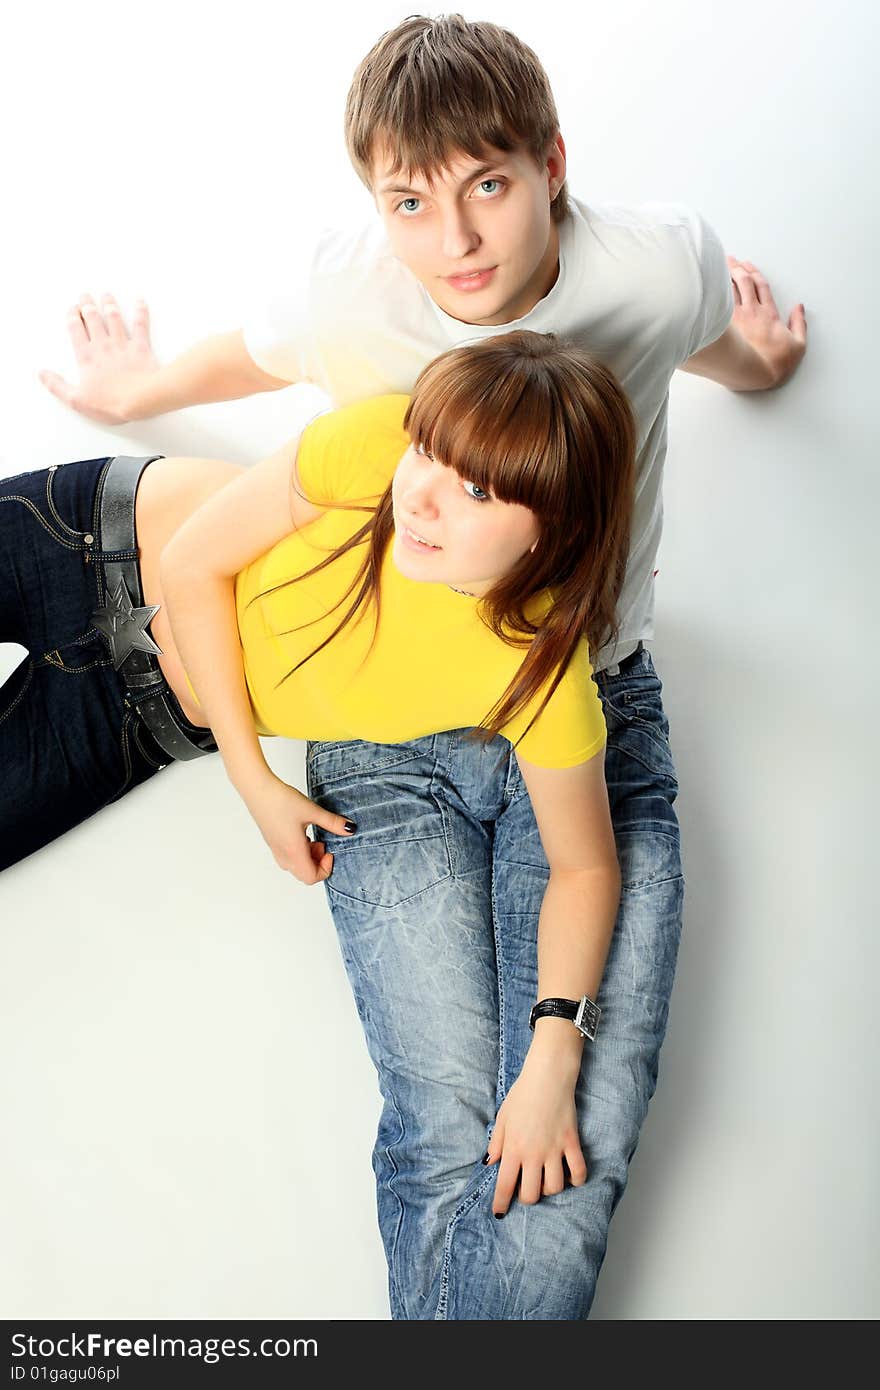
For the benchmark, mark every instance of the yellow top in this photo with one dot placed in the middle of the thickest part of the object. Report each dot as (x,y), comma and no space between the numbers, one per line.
(435,664)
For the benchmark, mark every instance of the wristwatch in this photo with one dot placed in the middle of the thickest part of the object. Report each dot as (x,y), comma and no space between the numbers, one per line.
(583,1013)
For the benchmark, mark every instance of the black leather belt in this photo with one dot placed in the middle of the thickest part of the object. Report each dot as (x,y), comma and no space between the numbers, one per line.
(124,618)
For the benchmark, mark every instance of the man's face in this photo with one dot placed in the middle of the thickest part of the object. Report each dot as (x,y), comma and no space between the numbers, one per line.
(479,236)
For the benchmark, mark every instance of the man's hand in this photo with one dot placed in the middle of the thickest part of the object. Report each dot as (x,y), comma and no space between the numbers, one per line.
(111,360)
(756,316)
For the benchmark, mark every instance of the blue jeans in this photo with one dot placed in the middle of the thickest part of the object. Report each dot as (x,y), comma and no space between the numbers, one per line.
(435,901)
(70,740)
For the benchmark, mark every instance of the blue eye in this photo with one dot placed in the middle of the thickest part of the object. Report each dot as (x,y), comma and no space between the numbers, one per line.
(483,497)
(403,204)
(484,182)
(422,451)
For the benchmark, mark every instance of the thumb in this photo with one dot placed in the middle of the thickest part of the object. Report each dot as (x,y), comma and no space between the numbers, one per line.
(797,323)
(57,385)
(329,820)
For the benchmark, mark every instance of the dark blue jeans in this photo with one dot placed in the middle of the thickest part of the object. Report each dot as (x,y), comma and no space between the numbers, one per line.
(70,743)
(436,903)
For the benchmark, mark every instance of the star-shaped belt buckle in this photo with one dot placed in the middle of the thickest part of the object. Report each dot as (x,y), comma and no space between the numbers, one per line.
(125,626)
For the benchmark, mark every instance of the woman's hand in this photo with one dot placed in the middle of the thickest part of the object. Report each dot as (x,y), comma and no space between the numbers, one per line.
(111,361)
(282,814)
(535,1130)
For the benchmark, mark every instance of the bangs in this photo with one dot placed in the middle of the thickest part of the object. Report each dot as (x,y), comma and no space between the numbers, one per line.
(505,435)
(434,88)
(423,150)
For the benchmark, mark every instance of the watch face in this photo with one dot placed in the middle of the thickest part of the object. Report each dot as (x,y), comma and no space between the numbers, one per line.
(587,1017)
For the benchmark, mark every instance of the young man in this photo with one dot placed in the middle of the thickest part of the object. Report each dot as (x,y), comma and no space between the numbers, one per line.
(476,233)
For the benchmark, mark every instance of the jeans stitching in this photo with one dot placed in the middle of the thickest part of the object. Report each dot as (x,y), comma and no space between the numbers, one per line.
(460,1211)
(499,955)
(20,694)
(128,716)
(53,509)
(14,497)
(69,670)
(391,1188)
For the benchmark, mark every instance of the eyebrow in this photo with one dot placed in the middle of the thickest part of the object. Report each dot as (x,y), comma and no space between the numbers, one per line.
(478,173)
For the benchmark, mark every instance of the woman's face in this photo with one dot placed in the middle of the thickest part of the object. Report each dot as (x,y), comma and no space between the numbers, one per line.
(473,539)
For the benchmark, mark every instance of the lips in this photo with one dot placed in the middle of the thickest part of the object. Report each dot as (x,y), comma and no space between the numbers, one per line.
(475,280)
(416,541)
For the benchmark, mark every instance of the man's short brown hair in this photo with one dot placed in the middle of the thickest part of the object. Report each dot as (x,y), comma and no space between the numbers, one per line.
(434,87)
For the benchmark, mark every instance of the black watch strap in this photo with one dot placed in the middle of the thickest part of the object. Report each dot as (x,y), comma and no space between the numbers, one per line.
(583,1012)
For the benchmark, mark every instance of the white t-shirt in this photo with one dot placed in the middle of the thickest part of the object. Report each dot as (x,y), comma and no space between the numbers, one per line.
(643,288)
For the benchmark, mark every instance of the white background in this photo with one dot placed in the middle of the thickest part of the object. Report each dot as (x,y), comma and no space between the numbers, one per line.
(187,1098)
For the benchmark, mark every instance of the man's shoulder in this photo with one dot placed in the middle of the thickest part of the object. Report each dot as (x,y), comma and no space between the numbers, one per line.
(353,249)
(636,241)
(650,215)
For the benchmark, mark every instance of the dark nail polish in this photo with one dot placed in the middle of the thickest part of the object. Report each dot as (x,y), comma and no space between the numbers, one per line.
(350,826)
(499,1215)
(485,1158)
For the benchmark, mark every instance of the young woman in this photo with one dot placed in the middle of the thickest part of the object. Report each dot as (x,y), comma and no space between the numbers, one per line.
(407,567)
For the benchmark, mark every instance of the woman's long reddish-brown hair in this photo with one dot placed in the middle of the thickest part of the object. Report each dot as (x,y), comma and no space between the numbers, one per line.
(533,420)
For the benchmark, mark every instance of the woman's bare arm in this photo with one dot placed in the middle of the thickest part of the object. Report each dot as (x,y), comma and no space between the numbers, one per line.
(197,571)
(536,1128)
(582,895)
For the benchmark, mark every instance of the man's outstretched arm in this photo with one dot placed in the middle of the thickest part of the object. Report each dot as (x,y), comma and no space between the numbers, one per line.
(757,350)
(121,379)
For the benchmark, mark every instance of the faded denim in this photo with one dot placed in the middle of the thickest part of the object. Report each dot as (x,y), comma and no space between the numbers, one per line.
(435,901)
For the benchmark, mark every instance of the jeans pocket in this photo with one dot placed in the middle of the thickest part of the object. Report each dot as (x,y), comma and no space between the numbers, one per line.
(400,848)
(638,731)
(645,706)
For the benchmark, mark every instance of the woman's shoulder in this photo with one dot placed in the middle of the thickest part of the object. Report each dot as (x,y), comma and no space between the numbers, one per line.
(374,415)
(353,450)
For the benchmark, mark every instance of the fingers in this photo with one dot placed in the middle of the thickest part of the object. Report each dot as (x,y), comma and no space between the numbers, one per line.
(797,323)
(89,322)
(574,1160)
(116,328)
(529,1180)
(77,330)
(752,286)
(329,820)
(321,859)
(140,321)
(505,1184)
(95,327)
(57,385)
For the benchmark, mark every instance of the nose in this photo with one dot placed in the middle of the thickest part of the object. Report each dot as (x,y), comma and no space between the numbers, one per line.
(419,496)
(459,237)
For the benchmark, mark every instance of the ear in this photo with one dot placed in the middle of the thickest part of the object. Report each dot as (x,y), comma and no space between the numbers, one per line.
(556,165)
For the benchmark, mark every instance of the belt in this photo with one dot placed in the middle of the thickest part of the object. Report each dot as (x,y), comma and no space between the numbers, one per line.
(124,618)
